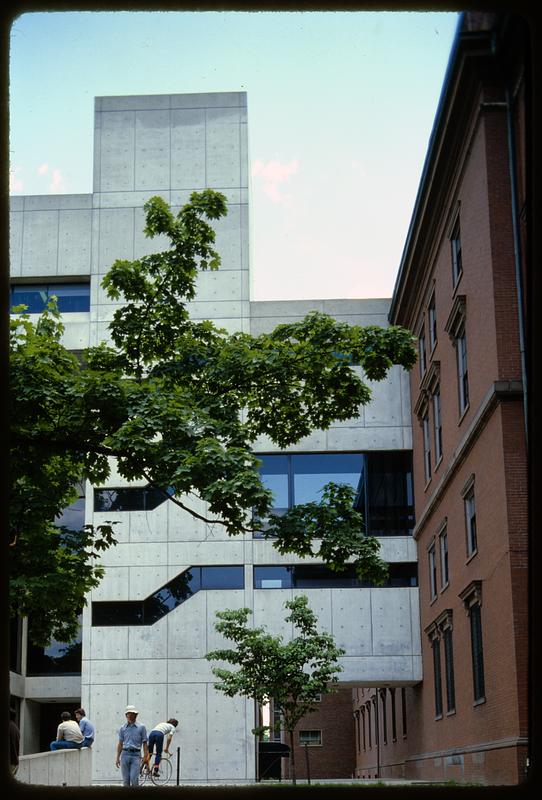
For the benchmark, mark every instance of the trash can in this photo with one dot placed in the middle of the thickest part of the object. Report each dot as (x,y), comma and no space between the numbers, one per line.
(269,756)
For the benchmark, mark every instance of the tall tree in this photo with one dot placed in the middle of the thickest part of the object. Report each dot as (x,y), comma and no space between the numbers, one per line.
(179,403)
(294,673)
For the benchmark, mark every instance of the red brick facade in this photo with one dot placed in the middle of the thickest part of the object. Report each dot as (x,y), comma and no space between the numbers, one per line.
(471,511)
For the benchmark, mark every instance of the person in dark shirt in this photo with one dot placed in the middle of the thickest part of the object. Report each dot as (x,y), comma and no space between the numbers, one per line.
(14,740)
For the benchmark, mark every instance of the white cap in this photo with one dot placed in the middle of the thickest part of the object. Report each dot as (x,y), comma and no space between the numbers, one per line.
(131,710)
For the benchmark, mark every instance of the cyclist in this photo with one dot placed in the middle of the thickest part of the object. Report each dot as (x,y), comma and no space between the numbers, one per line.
(156,740)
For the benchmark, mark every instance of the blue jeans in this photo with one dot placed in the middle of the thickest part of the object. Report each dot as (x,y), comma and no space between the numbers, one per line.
(62,744)
(130,763)
(87,742)
(156,738)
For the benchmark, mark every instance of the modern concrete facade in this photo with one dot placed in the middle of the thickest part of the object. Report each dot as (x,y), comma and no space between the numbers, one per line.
(461,290)
(171,145)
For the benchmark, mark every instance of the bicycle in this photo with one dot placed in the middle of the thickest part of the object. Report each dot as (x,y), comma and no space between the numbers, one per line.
(165,770)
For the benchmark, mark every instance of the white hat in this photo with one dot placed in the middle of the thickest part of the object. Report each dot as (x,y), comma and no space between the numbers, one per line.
(131,710)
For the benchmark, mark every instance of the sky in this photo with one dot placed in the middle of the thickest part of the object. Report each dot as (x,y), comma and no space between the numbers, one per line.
(340,111)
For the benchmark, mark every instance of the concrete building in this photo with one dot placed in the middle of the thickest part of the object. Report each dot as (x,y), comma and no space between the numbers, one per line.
(460,288)
(135,648)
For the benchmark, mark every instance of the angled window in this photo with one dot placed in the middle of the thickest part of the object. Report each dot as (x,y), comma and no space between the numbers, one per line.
(455,245)
(71,297)
(130,498)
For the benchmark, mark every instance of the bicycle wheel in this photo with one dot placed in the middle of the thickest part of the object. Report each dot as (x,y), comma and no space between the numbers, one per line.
(144,772)
(165,771)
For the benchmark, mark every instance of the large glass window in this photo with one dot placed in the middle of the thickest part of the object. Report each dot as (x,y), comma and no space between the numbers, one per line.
(477,652)
(382,482)
(318,576)
(470,522)
(437,675)
(71,297)
(59,658)
(449,661)
(462,370)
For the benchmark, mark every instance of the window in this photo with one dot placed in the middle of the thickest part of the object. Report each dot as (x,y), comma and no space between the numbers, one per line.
(449,663)
(368,707)
(136,498)
(362,709)
(477,652)
(432,571)
(310,738)
(426,447)
(382,482)
(318,576)
(403,711)
(15,644)
(422,352)
(73,516)
(444,568)
(462,370)
(435,645)
(58,658)
(455,242)
(168,597)
(437,422)
(470,514)
(472,599)
(71,297)
(384,716)
(455,327)
(393,715)
(432,318)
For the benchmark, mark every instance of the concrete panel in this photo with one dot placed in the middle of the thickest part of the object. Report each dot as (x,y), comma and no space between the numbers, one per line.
(106,710)
(385,407)
(15,243)
(57,768)
(270,613)
(187,628)
(117,144)
(132,102)
(108,642)
(217,310)
(145,580)
(74,242)
(121,528)
(39,770)
(243,145)
(190,670)
(76,335)
(221,286)
(40,244)
(351,614)
(222,147)
(52,687)
(378,670)
(206,553)
(220,600)
(188,149)
(141,670)
(132,554)
(151,701)
(322,602)
(144,245)
(415,624)
(398,548)
(208,100)
(116,236)
(149,525)
(52,202)
(391,621)
(187,702)
(114,586)
(103,200)
(226,736)
(369,438)
(152,150)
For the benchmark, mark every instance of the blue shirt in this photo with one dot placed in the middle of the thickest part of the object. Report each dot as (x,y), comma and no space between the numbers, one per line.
(87,728)
(132,735)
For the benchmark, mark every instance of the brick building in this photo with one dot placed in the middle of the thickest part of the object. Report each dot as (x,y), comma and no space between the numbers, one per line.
(461,290)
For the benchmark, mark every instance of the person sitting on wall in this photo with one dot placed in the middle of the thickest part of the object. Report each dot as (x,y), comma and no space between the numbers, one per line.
(156,739)
(68,734)
(87,728)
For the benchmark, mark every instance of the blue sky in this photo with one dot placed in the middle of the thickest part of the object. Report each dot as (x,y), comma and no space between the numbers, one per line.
(340,110)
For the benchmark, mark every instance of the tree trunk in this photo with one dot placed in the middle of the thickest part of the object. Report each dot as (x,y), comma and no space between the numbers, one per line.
(292,757)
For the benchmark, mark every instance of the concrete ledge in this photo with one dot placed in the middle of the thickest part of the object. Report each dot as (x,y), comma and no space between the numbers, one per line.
(57,768)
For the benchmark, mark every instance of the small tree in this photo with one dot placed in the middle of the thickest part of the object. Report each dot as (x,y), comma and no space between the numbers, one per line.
(294,673)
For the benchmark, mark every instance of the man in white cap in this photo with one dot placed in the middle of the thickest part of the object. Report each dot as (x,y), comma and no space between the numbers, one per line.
(132,736)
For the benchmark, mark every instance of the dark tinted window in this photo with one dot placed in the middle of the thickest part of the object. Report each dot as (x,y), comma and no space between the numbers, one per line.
(318,576)
(220,577)
(390,503)
(142,498)
(59,658)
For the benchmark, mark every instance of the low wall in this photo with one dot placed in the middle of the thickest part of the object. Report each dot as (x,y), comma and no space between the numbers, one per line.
(57,768)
